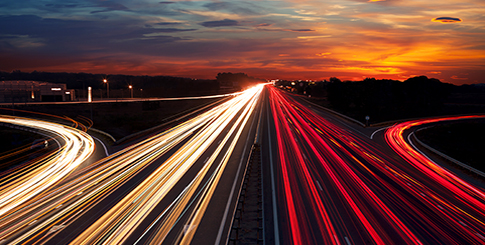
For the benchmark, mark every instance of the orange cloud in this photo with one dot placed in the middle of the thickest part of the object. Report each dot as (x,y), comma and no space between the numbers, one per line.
(447,20)
(323,54)
(458,78)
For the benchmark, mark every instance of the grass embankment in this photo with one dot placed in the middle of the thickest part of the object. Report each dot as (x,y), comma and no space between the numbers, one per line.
(463,141)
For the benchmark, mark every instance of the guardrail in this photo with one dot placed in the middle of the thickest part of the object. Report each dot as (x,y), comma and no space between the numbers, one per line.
(249,218)
(336,113)
(463,165)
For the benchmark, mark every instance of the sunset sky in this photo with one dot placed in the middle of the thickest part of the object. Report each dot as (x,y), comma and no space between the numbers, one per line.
(292,39)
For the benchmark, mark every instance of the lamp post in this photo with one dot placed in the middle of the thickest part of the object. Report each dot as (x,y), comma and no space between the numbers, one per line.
(90,98)
(131,88)
(107,87)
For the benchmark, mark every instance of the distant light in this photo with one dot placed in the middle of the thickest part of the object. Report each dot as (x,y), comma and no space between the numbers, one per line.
(130,87)
(56,89)
(105,81)
(67,92)
(90,99)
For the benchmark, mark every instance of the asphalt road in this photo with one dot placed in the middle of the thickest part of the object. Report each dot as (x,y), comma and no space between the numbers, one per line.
(334,185)
(175,186)
(325,181)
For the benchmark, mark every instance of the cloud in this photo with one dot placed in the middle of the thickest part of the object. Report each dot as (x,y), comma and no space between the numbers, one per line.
(166,2)
(110,6)
(160,31)
(219,23)
(60,6)
(167,23)
(447,20)
(241,8)
(454,77)
(262,24)
(301,30)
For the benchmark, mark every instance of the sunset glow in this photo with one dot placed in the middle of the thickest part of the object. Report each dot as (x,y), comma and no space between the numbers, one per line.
(286,39)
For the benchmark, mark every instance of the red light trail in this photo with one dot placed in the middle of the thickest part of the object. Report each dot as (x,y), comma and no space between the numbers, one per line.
(337,187)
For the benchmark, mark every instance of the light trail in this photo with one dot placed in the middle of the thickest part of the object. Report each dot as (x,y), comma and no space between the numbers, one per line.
(337,187)
(53,210)
(21,186)
(120,222)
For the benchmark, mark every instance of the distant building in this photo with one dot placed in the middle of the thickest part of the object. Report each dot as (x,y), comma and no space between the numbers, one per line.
(34,91)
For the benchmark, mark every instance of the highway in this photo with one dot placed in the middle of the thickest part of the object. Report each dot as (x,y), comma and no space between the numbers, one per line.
(334,185)
(155,190)
(28,182)
(325,181)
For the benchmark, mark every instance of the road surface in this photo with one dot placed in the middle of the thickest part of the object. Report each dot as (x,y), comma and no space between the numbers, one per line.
(334,185)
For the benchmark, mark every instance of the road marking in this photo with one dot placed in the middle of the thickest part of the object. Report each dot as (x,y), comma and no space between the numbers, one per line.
(273,192)
(336,239)
(226,211)
(55,228)
(319,186)
(348,241)
(372,135)
(188,228)
(104,146)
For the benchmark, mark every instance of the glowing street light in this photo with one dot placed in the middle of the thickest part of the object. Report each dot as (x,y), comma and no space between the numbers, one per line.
(107,86)
(90,98)
(131,88)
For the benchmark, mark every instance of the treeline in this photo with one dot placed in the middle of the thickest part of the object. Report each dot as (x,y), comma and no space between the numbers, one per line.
(390,99)
(152,86)
(384,100)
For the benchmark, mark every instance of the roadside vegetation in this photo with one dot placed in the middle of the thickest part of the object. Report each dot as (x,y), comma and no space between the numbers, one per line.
(463,141)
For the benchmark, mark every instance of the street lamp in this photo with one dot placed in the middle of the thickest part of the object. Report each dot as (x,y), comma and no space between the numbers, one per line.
(90,97)
(107,87)
(131,88)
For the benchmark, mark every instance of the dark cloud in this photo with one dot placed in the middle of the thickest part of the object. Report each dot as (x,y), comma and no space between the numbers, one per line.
(79,38)
(301,30)
(110,6)
(446,20)
(167,23)
(249,9)
(169,30)
(219,23)
(60,6)
(166,2)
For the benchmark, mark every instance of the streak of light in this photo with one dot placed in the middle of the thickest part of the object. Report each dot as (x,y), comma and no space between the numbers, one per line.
(53,210)
(20,187)
(120,221)
(349,189)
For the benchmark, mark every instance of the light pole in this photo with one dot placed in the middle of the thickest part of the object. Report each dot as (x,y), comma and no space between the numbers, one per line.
(107,87)
(131,88)
(90,97)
